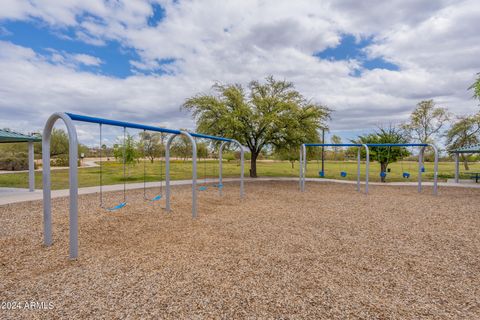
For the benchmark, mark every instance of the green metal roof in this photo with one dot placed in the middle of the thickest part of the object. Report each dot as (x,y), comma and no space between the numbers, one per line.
(7,136)
(474,148)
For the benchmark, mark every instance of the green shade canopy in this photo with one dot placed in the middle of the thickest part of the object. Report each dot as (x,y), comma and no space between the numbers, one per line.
(7,136)
(474,148)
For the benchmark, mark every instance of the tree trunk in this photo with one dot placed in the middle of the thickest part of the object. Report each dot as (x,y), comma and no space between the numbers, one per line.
(465,163)
(293,164)
(253,165)
(383,168)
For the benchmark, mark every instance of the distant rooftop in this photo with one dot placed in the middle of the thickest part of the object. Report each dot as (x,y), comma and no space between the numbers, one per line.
(7,136)
(474,148)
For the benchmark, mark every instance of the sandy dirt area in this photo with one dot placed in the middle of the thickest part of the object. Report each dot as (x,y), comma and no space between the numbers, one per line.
(278,254)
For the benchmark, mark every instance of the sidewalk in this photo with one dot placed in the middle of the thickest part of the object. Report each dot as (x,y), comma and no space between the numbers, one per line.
(85,164)
(14,195)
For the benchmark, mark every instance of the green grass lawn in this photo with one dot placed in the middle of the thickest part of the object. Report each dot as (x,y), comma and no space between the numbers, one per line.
(113,172)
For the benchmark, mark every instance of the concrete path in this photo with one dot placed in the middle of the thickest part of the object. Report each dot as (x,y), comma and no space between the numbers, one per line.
(14,195)
(85,164)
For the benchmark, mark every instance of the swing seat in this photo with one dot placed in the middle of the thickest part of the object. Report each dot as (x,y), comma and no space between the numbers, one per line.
(383,174)
(220,185)
(202,188)
(117,207)
(343,174)
(156,198)
(422,169)
(321,174)
(406,175)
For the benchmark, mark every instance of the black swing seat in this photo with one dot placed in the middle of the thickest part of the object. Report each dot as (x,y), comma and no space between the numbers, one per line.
(117,207)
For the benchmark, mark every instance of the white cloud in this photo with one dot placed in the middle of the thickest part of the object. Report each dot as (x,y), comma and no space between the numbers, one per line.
(435,43)
(87,60)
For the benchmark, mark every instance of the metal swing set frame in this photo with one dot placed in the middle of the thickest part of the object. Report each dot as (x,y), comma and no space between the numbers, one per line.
(68,119)
(367,146)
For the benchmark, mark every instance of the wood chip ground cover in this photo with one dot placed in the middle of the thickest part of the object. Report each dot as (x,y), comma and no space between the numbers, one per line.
(327,253)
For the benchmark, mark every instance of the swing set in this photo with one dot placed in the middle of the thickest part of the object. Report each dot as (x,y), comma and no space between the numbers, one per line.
(405,174)
(68,119)
(204,186)
(303,162)
(160,195)
(124,202)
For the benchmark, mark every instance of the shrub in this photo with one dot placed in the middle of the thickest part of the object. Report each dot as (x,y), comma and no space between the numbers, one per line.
(61,161)
(13,163)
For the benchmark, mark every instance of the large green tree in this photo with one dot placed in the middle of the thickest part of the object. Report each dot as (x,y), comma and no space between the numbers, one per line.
(465,131)
(272,113)
(385,155)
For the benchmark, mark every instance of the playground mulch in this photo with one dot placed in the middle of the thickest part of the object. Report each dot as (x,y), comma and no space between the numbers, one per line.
(327,253)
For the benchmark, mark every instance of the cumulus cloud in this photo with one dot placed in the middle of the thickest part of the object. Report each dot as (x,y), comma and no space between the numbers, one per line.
(434,43)
(86,59)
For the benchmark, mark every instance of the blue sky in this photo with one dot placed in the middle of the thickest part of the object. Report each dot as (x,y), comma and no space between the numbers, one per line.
(115,57)
(139,60)
(350,48)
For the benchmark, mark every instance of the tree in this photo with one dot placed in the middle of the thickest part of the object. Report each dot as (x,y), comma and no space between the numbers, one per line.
(151,144)
(181,147)
(463,132)
(335,140)
(291,155)
(476,87)
(426,122)
(129,146)
(202,149)
(272,114)
(385,155)
(58,142)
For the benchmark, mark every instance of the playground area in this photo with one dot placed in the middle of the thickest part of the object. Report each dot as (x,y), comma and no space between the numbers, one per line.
(329,252)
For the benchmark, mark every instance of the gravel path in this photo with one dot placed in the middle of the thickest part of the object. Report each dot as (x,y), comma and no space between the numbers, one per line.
(327,253)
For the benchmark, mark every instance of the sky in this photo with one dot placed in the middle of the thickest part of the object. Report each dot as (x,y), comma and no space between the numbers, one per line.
(370,61)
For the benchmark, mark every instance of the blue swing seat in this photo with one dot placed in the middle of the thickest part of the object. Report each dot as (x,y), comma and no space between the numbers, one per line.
(117,207)
(422,169)
(406,175)
(343,174)
(202,188)
(383,174)
(321,174)
(156,198)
